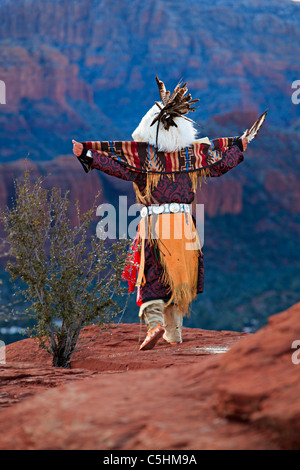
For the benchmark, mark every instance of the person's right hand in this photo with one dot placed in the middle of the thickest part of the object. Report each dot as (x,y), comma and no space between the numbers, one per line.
(245,143)
(77,148)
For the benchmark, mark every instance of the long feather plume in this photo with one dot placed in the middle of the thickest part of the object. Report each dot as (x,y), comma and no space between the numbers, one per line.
(250,134)
(164,94)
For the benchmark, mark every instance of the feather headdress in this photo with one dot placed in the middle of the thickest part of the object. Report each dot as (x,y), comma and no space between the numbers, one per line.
(178,104)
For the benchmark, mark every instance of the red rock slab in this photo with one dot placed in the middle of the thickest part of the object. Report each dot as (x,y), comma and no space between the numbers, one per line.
(28,368)
(154,409)
(19,381)
(186,397)
(117,349)
(258,379)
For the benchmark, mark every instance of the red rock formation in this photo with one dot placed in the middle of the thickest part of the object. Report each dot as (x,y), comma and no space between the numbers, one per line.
(285,189)
(64,172)
(182,397)
(258,380)
(78,69)
(224,196)
(117,349)
(35,82)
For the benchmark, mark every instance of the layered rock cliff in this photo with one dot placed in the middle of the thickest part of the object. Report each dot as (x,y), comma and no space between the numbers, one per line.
(87,70)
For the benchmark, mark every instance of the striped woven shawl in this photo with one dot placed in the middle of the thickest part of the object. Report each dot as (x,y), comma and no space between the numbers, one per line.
(143,157)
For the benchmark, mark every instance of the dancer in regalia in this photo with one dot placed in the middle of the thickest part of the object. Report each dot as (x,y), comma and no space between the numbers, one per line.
(166,164)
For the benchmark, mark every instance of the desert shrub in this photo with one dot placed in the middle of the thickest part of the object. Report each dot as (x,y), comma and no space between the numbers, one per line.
(70,278)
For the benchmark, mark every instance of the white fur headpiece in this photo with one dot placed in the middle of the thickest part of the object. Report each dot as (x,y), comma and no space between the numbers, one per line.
(175,138)
(165,125)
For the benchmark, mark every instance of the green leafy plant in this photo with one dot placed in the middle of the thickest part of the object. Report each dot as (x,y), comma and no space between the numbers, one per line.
(70,278)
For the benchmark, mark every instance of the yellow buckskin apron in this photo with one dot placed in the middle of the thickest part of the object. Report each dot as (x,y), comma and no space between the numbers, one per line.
(177,241)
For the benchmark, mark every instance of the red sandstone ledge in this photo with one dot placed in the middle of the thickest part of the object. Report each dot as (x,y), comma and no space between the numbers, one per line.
(217,390)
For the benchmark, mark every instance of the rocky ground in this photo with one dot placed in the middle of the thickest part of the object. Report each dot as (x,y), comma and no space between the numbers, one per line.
(219,390)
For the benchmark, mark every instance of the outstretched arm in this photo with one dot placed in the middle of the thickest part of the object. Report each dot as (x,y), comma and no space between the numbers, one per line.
(232,157)
(104,163)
